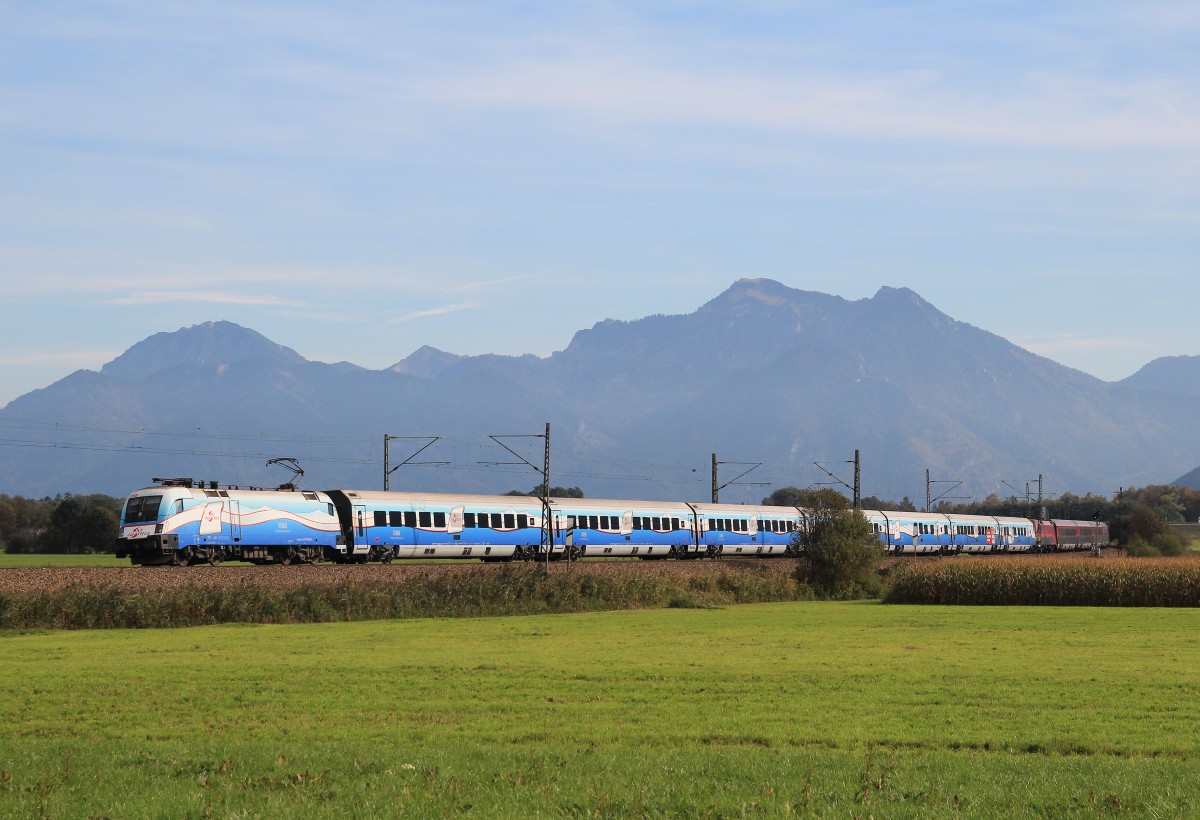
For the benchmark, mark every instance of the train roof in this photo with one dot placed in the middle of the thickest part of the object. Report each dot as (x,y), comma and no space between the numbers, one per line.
(258,493)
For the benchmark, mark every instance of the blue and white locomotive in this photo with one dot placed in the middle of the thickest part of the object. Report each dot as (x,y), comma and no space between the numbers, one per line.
(179,523)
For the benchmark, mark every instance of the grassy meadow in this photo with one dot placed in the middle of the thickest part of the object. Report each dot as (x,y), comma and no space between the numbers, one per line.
(839,708)
(17,560)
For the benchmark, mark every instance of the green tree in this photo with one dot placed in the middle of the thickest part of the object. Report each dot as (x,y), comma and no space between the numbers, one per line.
(1144,533)
(555,492)
(77,526)
(840,552)
(824,498)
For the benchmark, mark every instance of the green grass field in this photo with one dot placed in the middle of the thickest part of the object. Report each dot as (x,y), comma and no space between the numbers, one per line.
(44,560)
(845,709)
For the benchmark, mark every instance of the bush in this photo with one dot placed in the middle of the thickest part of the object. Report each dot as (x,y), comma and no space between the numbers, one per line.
(1158,545)
(841,558)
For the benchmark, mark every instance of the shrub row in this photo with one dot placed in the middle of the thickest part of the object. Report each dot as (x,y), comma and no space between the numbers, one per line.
(517,590)
(1066,582)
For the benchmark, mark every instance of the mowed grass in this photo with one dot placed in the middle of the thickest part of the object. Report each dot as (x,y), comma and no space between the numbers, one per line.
(56,560)
(830,708)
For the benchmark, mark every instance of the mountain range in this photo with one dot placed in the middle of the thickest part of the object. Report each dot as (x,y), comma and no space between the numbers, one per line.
(761,373)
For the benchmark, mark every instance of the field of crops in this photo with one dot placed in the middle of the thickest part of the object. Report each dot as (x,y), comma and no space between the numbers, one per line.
(80,598)
(1050,581)
(804,708)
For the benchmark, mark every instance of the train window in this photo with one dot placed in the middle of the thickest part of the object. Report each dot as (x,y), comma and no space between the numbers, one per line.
(380,518)
(637,522)
(522,521)
(425,520)
(142,509)
(605,522)
(329,509)
(469,520)
(594,522)
(675,523)
(510,521)
(439,520)
(410,518)
(656,523)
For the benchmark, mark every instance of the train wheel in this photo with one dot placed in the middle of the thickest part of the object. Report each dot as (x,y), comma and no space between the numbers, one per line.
(181,558)
(286,557)
(215,557)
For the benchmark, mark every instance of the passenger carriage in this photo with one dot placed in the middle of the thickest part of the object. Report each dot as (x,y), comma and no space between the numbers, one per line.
(735,529)
(383,526)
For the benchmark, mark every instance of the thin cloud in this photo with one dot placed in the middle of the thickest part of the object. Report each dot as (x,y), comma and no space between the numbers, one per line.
(58,358)
(165,297)
(1070,342)
(1041,110)
(438,311)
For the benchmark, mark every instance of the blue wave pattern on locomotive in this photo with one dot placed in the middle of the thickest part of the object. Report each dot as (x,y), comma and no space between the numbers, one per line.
(180,524)
(177,524)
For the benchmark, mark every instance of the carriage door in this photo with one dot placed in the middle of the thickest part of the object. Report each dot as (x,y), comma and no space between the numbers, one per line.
(360,546)
(233,512)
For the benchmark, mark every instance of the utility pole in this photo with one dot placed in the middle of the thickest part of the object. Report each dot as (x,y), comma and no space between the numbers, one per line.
(929,499)
(857,476)
(716,489)
(547,535)
(388,469)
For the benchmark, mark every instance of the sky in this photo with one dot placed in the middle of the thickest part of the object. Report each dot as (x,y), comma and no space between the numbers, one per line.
(356,180)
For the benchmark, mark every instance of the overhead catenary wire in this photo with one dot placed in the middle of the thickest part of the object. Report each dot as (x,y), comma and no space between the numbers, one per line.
(576,465)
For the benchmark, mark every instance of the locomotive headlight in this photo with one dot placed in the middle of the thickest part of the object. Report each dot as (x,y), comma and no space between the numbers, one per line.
(157,529)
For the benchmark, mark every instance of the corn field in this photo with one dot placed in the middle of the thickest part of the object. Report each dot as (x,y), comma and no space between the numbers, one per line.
(90,598)
(1171,582)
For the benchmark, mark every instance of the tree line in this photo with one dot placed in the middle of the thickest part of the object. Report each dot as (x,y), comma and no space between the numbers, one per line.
(65,523)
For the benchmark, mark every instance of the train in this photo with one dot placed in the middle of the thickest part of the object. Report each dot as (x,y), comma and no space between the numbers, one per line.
(181,522)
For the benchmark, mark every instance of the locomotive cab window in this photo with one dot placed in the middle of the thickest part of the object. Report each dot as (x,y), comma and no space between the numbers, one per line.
(142,509)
